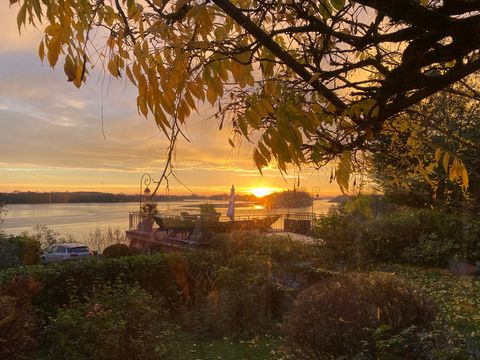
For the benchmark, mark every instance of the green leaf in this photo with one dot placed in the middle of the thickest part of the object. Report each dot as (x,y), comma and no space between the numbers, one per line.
(325,9)
(338,4)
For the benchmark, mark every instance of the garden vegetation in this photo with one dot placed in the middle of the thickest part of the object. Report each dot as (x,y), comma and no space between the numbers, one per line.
(270,297)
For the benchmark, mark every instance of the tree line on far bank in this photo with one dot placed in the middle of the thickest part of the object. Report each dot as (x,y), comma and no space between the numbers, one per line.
(30,197)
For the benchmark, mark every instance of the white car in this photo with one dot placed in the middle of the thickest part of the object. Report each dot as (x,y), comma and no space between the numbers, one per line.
(60,252)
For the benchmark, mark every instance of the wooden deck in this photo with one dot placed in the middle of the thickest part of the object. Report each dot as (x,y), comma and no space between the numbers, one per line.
(161,241)
(168,237)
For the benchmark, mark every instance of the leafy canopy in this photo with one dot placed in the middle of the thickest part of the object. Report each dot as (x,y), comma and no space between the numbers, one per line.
(436,162)
(306,81)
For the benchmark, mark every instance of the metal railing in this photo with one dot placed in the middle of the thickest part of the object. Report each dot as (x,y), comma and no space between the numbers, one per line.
(300,223)
(134,220)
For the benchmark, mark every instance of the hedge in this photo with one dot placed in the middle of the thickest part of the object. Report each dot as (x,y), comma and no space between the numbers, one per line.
(18,250)
(59,281)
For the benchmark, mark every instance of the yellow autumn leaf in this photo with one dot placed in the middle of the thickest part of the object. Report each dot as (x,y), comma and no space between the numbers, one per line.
(54,47)
(446,158)
(41,51)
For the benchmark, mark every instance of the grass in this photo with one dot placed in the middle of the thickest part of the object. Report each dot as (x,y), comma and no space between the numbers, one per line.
(457,298)
(259,348)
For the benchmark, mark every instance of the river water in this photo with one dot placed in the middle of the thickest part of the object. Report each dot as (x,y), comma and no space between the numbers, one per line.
(80,220)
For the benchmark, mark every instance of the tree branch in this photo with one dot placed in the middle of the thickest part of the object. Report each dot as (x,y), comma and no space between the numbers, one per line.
(271,45)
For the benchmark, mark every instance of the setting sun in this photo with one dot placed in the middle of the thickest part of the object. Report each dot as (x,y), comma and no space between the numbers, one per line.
(262,191)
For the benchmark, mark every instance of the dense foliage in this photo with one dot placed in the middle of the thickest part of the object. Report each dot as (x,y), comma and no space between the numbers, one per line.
(418,236)
(287,199)
(18,250)
(32,197)
(116,250)
(227,301)
(308,81)
(457,328)
(416,167)
(57,279)
(115,322)
(337,316)
(19,328)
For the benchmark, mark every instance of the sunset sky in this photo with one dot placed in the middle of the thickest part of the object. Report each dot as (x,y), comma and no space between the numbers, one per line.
(51,136)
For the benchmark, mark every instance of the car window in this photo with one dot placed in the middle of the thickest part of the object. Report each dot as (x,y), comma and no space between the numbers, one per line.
(52,249)
(79,249)
(61,249)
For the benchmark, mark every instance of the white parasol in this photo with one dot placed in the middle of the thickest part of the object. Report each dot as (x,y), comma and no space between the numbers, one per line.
(231,204)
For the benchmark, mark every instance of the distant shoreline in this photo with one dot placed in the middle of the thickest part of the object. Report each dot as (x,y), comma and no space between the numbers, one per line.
(100,197)
(85,197)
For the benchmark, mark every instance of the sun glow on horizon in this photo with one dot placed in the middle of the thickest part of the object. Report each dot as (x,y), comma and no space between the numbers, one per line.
(262,191)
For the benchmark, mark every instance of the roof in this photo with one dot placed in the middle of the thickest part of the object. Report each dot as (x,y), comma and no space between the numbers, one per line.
(71,245)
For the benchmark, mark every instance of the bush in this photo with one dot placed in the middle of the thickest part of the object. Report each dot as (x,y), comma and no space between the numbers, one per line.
(283,252)
(3,211)
(239,303)
(222,291)
(117,322)
(18,324)
(150,272)
(343,236)
(117,250)
(46,236)
(19,250)
(335,317)
(100,239)
(427,237)
(415,344)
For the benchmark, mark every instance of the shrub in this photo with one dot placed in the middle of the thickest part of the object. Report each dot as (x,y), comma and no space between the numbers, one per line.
(3,211)
(427,237)
(414,344)
(343,237)
(18,250)
(100,239)
(150,272)
(238,305)
(333,317)
(116,250)
(46,236)
(18,324)
(117,322)
(282,251)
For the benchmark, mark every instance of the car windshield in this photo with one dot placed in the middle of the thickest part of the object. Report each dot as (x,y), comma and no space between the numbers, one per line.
(80,249)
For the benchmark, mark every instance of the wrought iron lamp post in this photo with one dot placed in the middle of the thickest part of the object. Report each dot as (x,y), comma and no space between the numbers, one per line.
(314,191)
(145,180)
